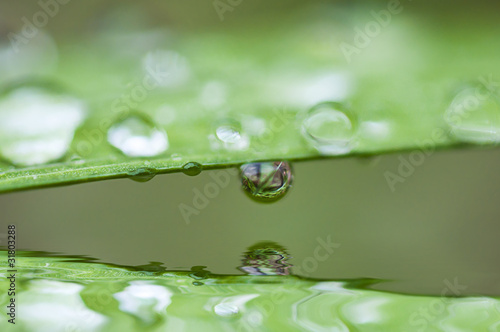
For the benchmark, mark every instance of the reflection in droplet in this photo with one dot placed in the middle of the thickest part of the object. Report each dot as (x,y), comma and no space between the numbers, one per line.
(474,116)
(226,310)
(229,135)
(138,136)
(330,128)
(37,124)
(142,175)
(266,181)
(192,169)
(266,258)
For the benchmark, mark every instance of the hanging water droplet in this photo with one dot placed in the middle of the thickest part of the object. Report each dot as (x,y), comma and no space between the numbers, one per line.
(37,124)
(266,258)
(138,136)
(266,181)
(192,169)
(142,175)
(330,128)
(474,116)
(228,134)
(226,309)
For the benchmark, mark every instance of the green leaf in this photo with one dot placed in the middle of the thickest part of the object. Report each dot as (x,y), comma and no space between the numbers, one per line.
(265,79)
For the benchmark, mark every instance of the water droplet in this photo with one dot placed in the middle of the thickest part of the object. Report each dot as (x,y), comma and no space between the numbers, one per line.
(138,136)
(254,126)
(192,169)
(142,175)
(304,90)
(266,181)
(474,116)
(37,58)
(37,124)
(330,128)
(213,95)
(197,283)
(176,157)
(266,258)
(375,130)
(168,68)
(165,115)
(229,135)
(226,309)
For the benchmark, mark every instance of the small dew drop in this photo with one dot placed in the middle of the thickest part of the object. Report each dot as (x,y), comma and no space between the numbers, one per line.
(229,135)
(266,258)
(192,169)
(266,182)
(168,68)
(142,175)
(138,136)
(474,116)
(330,128)
(176,157)
(213,95)
(226,310)
(197,283)
(37,124)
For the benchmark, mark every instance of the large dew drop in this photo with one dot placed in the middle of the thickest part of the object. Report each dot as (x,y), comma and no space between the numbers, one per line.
(37,125)
(138,136)
(330,128)
(474,116)
(266,181)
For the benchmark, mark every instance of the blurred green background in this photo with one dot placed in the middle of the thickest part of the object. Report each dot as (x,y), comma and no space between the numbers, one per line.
(441,223)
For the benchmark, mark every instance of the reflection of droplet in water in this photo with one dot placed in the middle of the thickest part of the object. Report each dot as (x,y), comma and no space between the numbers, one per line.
(230,136)
(37,124)
(138,136)
(266,258)
(226,309)
(144,300)
(266,181)
(142,175)
(192,169)
(330,128)
(474,116)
